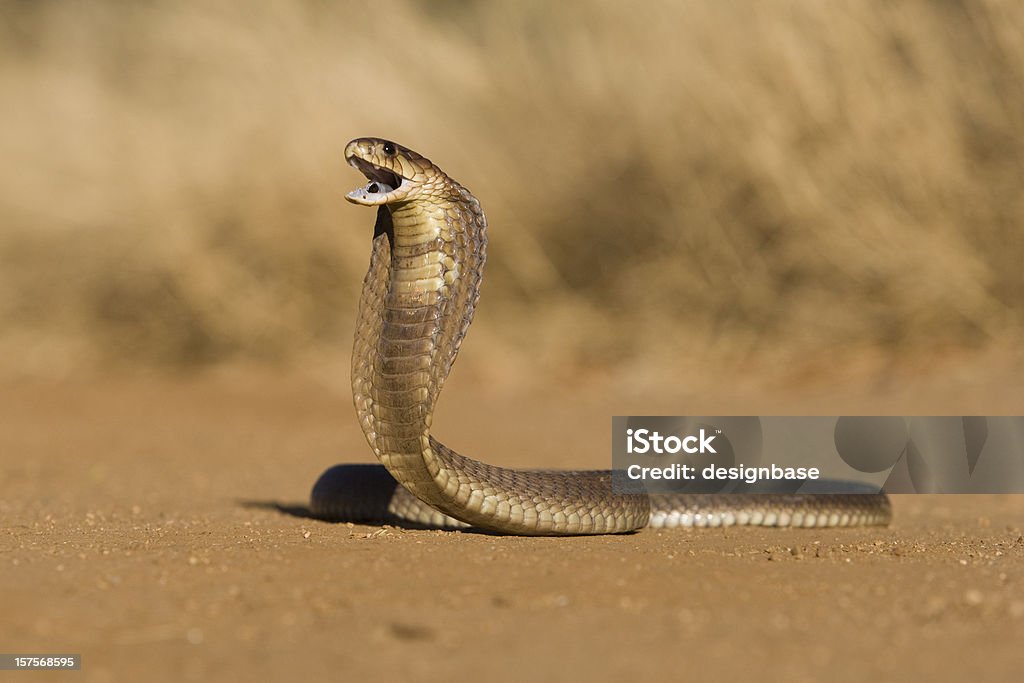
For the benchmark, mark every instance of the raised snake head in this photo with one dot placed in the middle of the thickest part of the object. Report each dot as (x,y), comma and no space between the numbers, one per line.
(397,174)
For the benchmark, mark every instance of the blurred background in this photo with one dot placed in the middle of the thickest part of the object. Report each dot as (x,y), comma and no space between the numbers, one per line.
(698,187)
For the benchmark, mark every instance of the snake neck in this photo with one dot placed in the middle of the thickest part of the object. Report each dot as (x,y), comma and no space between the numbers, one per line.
(438,250)
(418,301)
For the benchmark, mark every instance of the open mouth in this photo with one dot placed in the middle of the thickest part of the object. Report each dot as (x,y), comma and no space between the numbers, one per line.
(382,182)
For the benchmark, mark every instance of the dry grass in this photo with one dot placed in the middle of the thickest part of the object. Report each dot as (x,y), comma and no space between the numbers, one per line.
(698,180)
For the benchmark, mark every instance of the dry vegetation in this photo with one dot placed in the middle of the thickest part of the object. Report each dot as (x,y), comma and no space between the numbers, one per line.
(698,180)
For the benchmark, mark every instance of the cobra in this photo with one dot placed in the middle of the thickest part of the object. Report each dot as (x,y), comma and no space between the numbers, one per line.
(417,303)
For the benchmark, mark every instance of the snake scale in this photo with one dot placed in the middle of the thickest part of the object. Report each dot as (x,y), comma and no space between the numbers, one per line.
(417,303)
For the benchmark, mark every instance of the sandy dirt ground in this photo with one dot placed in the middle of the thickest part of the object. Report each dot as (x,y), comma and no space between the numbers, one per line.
(157,528)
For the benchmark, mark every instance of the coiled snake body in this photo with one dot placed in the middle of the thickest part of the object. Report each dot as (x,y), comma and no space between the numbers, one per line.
(417,303)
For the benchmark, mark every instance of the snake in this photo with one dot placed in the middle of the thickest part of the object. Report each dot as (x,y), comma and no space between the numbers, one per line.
(417,303)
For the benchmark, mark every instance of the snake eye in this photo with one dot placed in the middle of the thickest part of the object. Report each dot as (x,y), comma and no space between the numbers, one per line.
(389,149)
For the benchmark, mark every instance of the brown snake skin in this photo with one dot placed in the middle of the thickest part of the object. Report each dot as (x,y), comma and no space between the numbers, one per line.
(417,304)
